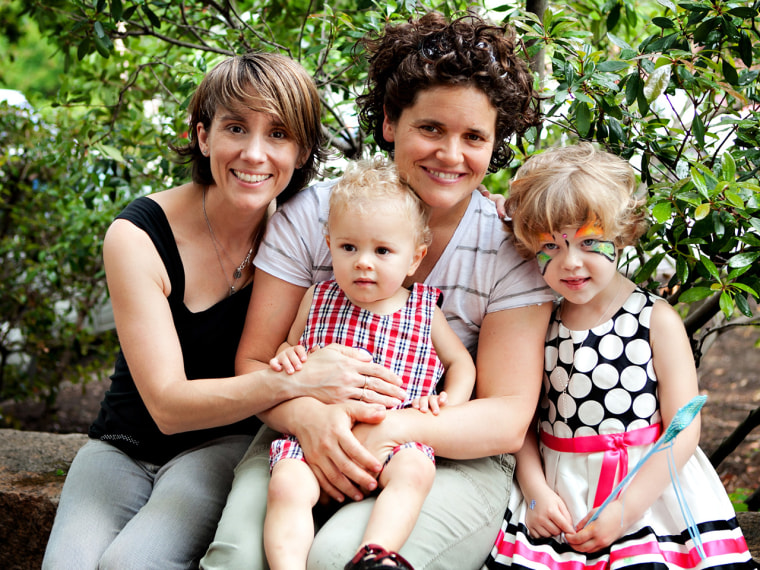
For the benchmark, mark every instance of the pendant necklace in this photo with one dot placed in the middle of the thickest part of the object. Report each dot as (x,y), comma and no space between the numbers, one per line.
(238,273)
(565,402)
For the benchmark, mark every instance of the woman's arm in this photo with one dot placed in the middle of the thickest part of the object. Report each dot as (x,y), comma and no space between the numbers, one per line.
(139,286)
(509,372)
(460,369)
(323,431)
(677,384)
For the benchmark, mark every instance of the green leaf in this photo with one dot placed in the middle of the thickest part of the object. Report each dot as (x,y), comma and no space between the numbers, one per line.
(657,83)
(729,72)
(698,127)
(702,211)
(742,305)
(668,4)
(111,152)
(695,294)
(742,259)
(728,167)
(745,48)
(582,119)
(613,65)
(663,23)
(619,42)
(710,266)
(726,304)
(662,211)
(154,21)
(734,199)
(116,10)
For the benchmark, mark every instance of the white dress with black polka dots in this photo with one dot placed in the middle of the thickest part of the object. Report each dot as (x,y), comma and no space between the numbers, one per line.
(612,389)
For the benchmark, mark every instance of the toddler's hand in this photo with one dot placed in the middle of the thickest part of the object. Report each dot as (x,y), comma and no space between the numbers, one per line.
(433,403)
(547,515)
(290,360)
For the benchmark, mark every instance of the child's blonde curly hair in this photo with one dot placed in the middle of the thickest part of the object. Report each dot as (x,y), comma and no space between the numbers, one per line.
(568,187)
(369,185)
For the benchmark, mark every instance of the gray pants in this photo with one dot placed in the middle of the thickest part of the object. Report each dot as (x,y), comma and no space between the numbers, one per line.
(456,529)
(116,512)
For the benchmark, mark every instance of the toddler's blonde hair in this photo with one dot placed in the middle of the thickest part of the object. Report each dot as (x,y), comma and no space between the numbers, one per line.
(369,185)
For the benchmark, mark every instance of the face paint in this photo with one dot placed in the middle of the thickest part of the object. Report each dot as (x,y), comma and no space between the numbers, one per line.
(543,259)
(594,228)
(605,248)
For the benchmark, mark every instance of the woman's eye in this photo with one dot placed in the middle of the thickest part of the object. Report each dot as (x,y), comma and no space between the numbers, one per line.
(236,129)
(279,134)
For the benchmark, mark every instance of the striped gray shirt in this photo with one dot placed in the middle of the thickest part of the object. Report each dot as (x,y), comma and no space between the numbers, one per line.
(479,272)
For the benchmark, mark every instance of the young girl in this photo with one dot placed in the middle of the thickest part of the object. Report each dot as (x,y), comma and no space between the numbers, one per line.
(377,234)
(618,366)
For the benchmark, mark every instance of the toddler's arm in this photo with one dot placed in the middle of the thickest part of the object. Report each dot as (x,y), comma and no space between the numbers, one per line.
(291,355)
(460,369)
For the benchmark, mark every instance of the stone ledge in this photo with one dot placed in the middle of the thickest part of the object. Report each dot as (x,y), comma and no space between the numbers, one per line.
(32,470)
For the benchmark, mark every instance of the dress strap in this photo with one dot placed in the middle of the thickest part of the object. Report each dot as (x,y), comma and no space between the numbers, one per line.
(614,445)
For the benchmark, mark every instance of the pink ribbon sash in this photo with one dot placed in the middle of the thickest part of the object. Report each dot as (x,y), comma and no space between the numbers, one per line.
(615,461)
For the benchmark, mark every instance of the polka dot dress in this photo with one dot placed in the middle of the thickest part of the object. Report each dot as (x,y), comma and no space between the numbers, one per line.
(598,383)
(601,381)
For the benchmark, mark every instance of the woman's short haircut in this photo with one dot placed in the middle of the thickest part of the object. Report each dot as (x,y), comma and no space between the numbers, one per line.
(265,82)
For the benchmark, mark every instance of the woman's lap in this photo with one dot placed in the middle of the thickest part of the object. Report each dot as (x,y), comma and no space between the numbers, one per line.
(456,529)
(118,513)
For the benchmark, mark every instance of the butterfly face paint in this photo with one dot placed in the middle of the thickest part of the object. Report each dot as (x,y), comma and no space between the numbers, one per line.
(542,257)
(592,229)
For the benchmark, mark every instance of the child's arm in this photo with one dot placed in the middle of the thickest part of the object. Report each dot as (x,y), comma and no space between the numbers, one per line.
(677,384)
(290,354)
(460,369)
(547,513)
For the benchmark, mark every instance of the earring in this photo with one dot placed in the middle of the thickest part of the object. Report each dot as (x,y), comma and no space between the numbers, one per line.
(204,152)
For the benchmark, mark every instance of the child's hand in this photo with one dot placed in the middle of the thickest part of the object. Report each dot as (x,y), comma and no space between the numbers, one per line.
(602,532)
(547,515)
(290,360)
(433,403)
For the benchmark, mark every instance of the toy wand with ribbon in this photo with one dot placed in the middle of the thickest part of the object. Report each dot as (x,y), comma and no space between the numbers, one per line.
(682,418)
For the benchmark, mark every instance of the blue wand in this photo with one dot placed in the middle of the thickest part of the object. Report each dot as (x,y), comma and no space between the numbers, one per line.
(681,419)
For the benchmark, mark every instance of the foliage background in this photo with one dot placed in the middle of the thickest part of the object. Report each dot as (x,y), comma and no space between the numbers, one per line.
(671,86)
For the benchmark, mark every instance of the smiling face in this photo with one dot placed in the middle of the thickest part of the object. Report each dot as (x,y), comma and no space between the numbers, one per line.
(578,262)
(443,144)
(372,253)
(252,155)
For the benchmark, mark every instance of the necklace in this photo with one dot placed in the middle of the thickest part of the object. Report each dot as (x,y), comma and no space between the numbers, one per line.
(238,272)
(565,403)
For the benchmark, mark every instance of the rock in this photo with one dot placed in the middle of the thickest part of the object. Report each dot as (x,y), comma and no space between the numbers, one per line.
(33,466)
(750,523)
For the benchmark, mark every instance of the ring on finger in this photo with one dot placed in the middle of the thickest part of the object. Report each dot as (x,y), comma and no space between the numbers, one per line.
(364,395)
(366,381)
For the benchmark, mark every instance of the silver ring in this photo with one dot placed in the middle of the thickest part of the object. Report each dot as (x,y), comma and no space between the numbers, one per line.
(366,381)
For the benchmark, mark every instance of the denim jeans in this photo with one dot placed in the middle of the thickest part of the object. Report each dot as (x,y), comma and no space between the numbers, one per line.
(456,529)
(116,512)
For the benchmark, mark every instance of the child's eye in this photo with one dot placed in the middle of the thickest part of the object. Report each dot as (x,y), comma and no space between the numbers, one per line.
(348,247)
(549,247)
(590,243)
(279,134)
(383,251)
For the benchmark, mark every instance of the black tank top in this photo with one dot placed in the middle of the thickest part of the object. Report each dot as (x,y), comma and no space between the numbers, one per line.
(209,340)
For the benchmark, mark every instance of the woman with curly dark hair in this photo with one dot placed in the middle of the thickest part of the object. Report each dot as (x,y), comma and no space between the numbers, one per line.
(444,98)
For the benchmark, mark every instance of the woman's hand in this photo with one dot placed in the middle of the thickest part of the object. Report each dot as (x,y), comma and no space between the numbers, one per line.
(340,463)
(338,373)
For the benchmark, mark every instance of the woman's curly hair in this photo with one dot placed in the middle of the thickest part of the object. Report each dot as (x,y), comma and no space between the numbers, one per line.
(406,59)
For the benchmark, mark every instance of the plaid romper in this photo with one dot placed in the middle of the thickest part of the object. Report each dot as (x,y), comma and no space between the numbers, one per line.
(400,341)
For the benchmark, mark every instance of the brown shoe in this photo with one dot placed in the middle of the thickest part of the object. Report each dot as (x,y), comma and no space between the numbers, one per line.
(375,557)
